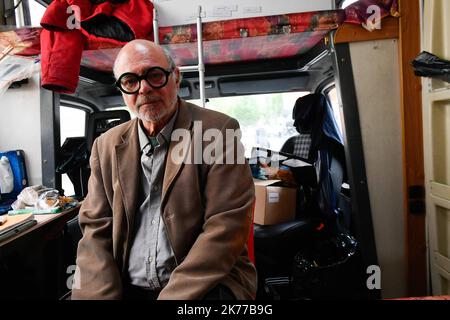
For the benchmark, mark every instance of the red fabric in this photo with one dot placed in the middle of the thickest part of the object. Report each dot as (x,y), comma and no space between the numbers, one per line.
(223,41)
(62,48)
(261,26)
(137,14)
(435,298)
(251,241)
(221,51)
(357,12)
(60,60)
(55,17)
(272,37)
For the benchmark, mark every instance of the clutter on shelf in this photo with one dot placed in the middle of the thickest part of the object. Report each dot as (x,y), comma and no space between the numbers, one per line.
(41,200)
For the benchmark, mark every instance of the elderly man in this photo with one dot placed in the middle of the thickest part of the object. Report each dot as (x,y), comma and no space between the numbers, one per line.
(154,226)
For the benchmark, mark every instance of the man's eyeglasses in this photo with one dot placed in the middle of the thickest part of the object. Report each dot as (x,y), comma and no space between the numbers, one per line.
(130,83)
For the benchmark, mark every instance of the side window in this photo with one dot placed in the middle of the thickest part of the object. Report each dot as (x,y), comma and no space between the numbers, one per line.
(72,125)
(332,97)
(36,12)
(346,3)
(73,122)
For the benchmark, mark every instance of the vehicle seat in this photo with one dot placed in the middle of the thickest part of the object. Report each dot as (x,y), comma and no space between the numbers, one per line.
(313,115)
(276,245)
(75,151)
(100,122)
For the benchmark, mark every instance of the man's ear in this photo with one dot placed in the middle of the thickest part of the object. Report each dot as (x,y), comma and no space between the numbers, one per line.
(177,76)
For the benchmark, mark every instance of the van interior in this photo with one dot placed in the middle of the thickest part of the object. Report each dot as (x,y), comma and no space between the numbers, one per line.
(360,74)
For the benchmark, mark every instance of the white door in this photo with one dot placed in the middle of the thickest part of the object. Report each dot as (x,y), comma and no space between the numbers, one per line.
(436,104)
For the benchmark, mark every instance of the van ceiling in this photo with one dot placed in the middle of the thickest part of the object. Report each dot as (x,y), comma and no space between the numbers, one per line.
(265,76)
(238,78)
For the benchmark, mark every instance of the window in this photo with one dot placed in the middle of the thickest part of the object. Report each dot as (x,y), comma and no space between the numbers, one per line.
(36,12)
(265,120)
(333,98)
(72,124)
(348,3)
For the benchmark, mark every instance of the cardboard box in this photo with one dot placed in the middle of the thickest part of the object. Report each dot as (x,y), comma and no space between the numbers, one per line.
(274,204)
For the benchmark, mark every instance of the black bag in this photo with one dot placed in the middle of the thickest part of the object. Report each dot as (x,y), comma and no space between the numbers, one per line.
(330,270)
(429,65)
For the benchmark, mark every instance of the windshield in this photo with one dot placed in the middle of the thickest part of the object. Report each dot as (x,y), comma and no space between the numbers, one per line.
(265,119)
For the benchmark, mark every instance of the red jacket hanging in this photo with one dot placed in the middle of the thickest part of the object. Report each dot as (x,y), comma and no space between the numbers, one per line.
(114,22)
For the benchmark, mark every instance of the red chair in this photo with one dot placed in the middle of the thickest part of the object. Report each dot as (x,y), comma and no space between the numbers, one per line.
(251,241)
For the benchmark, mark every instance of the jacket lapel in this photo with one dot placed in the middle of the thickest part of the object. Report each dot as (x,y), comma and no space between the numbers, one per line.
(184,122)
(128,168)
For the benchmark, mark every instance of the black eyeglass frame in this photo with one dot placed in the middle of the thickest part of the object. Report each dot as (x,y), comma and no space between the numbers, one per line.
(167,73)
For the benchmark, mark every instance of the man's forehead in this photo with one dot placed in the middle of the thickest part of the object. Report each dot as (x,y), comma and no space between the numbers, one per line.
(140,60)
(141,48)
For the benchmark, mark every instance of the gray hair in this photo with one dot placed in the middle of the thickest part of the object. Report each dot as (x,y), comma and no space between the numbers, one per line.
(172,64)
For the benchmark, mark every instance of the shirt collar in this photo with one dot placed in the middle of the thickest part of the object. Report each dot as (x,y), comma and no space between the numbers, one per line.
(164,136)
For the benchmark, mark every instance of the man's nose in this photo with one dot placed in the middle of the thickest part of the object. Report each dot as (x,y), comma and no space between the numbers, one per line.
(145,87)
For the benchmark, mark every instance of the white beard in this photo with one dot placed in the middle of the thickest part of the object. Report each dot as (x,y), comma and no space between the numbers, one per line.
(149,117)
